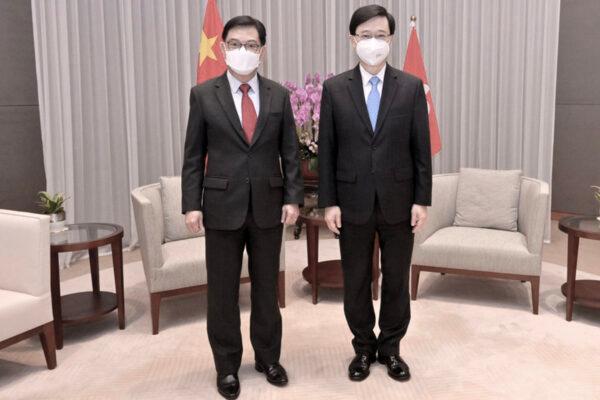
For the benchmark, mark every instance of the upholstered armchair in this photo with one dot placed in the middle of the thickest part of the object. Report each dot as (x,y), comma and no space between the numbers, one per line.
(444,248)
(25,304)
(173,259)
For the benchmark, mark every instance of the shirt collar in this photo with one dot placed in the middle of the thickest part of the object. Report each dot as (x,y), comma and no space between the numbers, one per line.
(366,76)
(235,83)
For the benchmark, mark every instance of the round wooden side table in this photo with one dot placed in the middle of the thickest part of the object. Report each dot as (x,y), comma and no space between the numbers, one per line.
(83,307)
(585,292)
(327,273)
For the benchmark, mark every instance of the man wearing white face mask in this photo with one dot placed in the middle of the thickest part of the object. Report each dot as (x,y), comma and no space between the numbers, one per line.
(375,181)
(250,186)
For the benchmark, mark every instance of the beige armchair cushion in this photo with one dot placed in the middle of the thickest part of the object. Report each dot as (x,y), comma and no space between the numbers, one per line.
(488,198)
(184,265)
(478,249)
(174,220)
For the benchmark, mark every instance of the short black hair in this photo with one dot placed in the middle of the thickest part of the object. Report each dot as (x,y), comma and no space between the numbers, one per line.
(246,20)
(365,13)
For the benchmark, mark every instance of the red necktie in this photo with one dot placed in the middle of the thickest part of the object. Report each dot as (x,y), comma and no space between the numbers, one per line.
(248,113)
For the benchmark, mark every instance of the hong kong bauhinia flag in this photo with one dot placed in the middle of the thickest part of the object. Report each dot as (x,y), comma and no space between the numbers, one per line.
(210,59)
(413,64)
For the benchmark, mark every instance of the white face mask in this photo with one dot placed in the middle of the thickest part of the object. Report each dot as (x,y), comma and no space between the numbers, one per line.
(372,51)
(242,61)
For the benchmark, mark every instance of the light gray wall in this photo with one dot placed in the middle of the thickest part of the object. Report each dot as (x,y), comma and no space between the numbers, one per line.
(21,159)
(577,129)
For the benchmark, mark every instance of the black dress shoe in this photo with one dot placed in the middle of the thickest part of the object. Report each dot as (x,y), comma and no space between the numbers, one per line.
(359,367)
(228,386)
(275,373)
(397,368)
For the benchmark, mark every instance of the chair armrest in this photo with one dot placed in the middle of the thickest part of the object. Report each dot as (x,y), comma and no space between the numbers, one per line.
(25,252)
(149,235)
(533,208)
(443,206)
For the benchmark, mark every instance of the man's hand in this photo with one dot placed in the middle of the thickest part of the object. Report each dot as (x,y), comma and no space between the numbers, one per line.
(289,214)
(333,217)
(193,221)
(418,217)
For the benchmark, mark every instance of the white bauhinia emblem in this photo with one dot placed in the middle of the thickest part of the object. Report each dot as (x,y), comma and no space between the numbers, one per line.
(426,88)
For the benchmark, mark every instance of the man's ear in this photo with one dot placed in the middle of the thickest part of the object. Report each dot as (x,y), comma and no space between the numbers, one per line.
(223,48)
(263,53)
(352,41)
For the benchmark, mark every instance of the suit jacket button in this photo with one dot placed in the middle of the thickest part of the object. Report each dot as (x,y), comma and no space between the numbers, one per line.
(247,180)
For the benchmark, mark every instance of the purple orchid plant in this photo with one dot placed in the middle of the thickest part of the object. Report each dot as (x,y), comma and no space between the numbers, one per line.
(306,105)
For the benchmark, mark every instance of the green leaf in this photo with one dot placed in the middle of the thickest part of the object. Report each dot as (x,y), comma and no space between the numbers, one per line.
(51,204)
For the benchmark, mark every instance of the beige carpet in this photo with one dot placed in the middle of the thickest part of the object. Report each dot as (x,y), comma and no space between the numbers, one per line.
(469,339)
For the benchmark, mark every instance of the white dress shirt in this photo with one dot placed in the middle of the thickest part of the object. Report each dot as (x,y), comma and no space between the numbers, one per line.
(237,94)
(366,76)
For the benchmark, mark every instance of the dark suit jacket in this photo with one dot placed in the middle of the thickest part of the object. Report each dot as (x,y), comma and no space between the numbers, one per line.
(356,165)
(262,175)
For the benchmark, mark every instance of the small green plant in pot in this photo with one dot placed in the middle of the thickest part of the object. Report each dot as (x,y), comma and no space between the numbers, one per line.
(53,205)
(596,190)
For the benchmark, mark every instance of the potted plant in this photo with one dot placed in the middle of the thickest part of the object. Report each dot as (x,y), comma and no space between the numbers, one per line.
(53,205)
(596,190)
(306,105)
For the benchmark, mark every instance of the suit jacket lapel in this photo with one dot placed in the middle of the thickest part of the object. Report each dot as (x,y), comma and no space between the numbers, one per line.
(226,100)
(390,87)
(265,107)
(357,93)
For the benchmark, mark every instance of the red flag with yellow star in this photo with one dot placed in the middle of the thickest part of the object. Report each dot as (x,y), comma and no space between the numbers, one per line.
(210,58)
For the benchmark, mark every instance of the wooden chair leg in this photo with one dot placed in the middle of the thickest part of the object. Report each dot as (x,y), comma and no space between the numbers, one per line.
(281,289)
(49,344)
(414,281)
(535,294)
(155,311)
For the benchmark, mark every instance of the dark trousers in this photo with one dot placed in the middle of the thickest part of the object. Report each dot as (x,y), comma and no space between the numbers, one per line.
(356,245)
(224,252)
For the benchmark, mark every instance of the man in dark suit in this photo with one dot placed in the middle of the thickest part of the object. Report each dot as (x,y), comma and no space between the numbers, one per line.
(375,178)
(244,124)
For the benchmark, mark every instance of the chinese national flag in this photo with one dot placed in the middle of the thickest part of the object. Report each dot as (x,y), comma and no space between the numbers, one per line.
(210,58)
(413,64)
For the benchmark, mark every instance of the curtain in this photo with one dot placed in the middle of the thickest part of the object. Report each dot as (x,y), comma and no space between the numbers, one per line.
(114,79)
